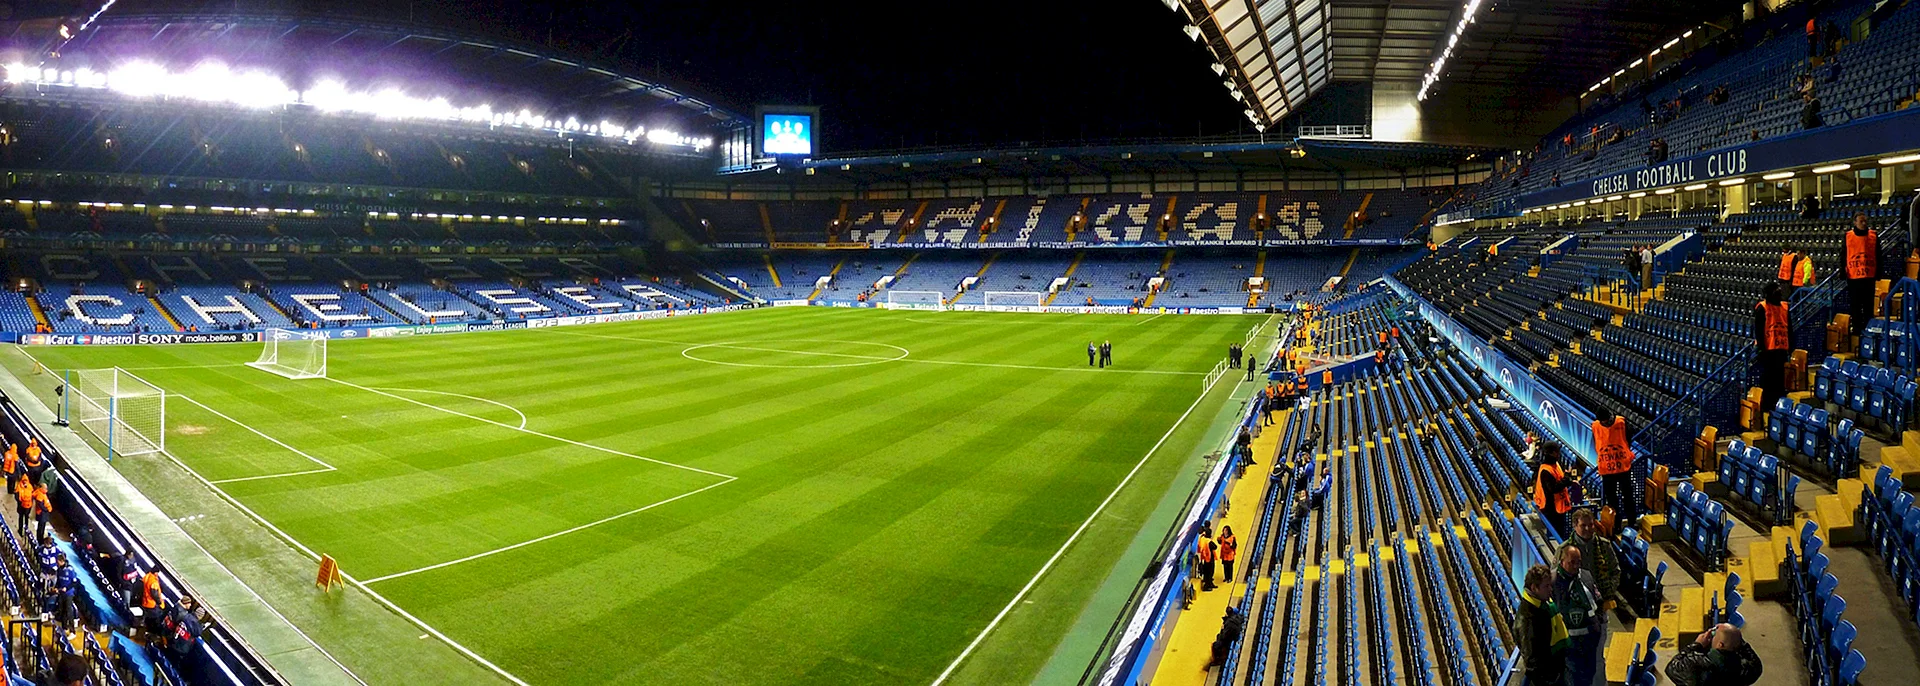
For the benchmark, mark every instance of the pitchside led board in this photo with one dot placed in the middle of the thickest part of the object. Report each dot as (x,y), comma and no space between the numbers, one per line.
(788,132)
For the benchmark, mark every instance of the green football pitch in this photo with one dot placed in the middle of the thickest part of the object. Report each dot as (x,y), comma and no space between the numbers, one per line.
(794,495)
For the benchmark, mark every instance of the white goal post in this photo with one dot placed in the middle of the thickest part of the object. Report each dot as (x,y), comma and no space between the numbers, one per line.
(916,300)
(1015,301)
(293,354)
(122,410)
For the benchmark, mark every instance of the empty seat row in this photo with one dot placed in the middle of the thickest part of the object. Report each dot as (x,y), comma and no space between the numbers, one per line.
(1874,397)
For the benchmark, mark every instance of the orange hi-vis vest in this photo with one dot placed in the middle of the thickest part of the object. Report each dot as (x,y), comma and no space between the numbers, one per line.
(1379,357)
(1205,551)
(1326,378)
(1562,501)
(150,591)
(1862,255)
(38,502)
(1228,548)
(1776,327)
(23,492)
(1610,445)
(12,462)
(1791,270)
(1381,338)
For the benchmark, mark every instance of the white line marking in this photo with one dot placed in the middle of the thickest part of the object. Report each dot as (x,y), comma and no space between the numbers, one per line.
(870,359)
(920,360)
(1015,602)
(257,432)
(1143,321)
(269,606)
(271,476)
(463,650)
(547,537)
(496,403)
(525,430)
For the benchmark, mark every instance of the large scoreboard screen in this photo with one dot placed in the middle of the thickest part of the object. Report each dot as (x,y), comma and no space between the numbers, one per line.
(788,133)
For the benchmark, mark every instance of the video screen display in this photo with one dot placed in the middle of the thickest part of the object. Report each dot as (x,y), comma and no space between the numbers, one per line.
(786,134)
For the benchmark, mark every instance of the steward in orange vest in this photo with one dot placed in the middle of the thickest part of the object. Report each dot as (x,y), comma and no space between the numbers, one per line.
(1795,269)
(1773,336)
(1615,456)
(1550,488)
(1863,268)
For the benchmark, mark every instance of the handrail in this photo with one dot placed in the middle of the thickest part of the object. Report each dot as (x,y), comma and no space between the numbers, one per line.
(1804,302)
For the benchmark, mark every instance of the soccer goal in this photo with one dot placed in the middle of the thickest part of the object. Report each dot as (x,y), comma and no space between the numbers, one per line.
(1015,301)
(293,354)
(122,410)
(916,300)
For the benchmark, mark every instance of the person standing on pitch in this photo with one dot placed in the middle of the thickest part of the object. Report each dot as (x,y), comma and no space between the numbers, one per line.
(1106,354)
(1863,268)
(1092,350)
(1616,465)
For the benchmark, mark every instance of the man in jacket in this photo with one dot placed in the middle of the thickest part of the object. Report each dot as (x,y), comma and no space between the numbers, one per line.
(1579,605)
(1539,630)
(1717,657)
(1596,556)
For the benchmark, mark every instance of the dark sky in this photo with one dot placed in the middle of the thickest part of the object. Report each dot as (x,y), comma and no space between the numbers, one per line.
(887,75)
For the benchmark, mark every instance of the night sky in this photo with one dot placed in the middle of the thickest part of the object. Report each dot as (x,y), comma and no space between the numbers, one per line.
(890,75)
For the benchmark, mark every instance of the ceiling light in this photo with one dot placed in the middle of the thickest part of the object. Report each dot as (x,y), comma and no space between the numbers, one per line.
(1696,187)
(1776,176)
(1831,168)
(1641,194)
(1734,181)
(1903,159)
(1612,198)
(1664,191)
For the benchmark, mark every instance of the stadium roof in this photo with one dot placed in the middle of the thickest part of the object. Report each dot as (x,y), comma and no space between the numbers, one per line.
(500,69)
(1278,53)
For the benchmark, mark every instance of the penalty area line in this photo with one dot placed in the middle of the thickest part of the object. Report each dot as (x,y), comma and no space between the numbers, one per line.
(522,429)
(550,536)
(1024,590)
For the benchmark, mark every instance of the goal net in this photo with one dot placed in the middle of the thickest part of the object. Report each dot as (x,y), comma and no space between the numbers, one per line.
(122,410)
(1015,301)
(293,354)
(916,300)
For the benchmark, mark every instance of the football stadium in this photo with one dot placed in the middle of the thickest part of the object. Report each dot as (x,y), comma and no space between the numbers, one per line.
(1095,343)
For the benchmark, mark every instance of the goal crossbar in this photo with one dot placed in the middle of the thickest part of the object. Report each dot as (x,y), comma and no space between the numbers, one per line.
(122,410)
(293,354)
(1020,301)
(916,300)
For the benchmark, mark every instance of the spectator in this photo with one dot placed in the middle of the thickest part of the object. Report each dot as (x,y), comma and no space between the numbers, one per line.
(1579,605)
(1813,37)
(1596,556)
(1231,626)
(1717,657)
(65,582)
(1646,251)
(1719,95)
(1810,207)
(183,630)
(1540,631)
(1772,336)
(70,670)
(1810,114)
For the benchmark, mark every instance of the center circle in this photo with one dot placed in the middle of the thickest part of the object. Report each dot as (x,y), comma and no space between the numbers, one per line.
(817,359)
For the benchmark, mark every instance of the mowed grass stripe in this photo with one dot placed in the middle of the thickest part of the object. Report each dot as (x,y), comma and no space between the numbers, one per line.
(887,429)
(883,513)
